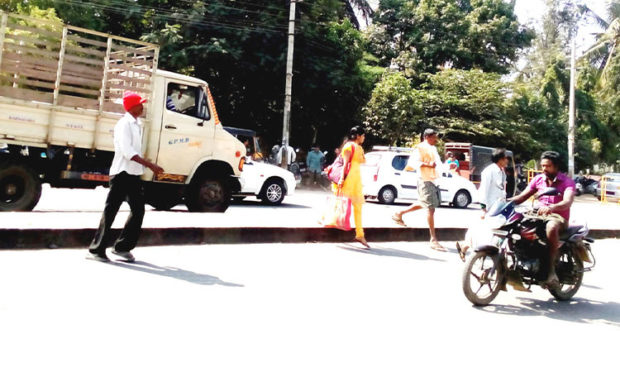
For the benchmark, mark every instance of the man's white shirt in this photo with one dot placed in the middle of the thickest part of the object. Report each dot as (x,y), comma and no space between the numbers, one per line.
(290,154)
(492,185)
(127,144)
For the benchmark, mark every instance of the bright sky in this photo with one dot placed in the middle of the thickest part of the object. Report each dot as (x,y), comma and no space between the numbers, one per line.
(530,12)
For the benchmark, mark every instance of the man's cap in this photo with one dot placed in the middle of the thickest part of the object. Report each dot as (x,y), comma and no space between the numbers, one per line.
(132,99)
(429,132)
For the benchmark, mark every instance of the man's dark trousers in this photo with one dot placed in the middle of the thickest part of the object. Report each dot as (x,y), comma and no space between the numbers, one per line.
(123,187)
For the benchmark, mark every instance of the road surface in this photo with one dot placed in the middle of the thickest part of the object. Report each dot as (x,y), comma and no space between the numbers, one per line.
(287,307)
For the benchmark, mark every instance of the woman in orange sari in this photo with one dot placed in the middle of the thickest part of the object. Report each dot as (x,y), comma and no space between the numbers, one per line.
(350,185)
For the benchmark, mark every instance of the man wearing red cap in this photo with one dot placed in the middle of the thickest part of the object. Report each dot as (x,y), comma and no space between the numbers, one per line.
(125,184)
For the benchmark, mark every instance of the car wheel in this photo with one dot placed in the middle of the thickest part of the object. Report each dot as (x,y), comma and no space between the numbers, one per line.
(273,192)
(387,195)
(461,199)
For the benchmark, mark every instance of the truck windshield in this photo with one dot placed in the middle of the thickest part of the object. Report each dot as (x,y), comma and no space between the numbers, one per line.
(187,100)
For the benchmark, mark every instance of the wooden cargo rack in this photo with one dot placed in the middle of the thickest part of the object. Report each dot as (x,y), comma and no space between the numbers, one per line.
(59,64)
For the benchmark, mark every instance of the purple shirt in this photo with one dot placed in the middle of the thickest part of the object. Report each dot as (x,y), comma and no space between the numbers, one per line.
(561,183)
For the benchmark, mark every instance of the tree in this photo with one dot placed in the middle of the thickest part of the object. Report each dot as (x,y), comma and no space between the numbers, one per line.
(541,92)
(393,110)
(481,34)
(362,7)
(239,48)
(473,106)
(605,48)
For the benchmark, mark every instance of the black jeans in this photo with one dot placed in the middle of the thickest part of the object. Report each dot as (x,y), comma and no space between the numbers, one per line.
(122,187)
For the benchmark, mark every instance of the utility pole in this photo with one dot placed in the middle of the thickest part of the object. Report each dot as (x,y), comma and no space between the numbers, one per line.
(289,85)
(571,113)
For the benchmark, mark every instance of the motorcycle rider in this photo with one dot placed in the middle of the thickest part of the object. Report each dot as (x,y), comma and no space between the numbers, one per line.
(555,208)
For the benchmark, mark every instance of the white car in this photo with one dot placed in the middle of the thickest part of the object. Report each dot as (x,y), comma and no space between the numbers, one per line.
(612,187)
(266,181)
(384,178)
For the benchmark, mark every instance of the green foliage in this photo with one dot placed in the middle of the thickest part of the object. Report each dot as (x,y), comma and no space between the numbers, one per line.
(393,110)
(481,34)
(472,106)
(240,49)
(421,63)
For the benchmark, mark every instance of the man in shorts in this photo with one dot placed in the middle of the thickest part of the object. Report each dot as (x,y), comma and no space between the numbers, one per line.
(556,208)
(426,161)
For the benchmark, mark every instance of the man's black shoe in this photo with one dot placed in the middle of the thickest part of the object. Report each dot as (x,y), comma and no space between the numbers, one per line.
(127,256)
(101,257)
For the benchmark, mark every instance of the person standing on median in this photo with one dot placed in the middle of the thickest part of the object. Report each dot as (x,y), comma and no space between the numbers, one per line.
(427,163)
(125,184)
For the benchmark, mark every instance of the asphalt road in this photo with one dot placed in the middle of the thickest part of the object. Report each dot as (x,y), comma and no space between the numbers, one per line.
(75,208)
(305,307)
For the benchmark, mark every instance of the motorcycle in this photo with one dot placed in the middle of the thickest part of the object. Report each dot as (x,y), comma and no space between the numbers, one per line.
(585,185)
(519,256)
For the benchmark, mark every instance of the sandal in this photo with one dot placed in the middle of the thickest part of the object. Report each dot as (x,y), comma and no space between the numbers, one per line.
(398,220)
(438,247)
(363,242)
(461,253)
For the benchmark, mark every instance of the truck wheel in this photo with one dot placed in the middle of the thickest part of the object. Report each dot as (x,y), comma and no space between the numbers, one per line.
(20,188)
(208,195)
(461,199)
(273,192)
(387,195)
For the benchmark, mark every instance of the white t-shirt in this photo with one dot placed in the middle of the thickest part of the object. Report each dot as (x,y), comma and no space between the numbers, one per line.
(127,143)
(290,154)
(492,185)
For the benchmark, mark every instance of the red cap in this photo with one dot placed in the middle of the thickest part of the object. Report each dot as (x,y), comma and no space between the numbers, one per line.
(132,99)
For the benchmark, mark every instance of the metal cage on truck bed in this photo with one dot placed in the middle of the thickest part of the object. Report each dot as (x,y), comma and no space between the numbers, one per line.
(60,68)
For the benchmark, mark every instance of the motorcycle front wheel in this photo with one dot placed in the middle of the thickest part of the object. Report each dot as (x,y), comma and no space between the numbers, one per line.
(482,278)
(570,272)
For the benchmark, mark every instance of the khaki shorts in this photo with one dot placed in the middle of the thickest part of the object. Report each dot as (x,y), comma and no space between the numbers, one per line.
(429,195)
(556,219)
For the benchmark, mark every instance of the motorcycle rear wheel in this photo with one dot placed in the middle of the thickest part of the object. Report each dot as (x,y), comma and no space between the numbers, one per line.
(567,291)
(482,271)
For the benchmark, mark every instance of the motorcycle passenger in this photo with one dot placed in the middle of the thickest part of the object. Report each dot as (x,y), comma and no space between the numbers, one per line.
(556,208)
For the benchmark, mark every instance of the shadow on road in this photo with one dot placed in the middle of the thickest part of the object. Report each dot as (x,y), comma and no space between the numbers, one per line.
(590,286)
(577,310)
(377,250)
(175,273)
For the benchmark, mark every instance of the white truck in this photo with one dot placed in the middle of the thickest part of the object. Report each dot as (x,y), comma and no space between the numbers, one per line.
(61,91)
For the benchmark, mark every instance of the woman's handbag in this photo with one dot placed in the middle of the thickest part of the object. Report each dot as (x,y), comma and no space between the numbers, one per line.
(334,171)
(337,212)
